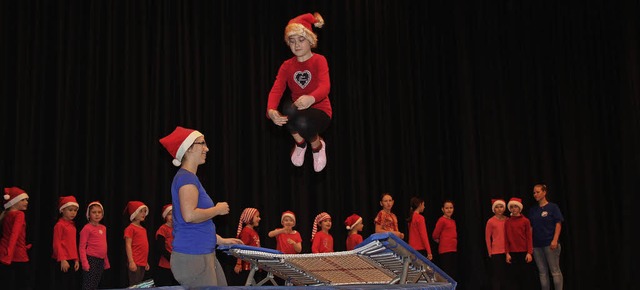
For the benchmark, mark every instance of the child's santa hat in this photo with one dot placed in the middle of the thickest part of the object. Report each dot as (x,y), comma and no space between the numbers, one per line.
(495,202)
(301,25)
(289,214)
(92,204)
(13,195)
(246,218)
(515,201)
(323,216)
(134,208)
(67,201)
(178,142)
(352,221)
(166,209)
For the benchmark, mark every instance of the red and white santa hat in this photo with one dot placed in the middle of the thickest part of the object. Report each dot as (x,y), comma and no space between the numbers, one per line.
(246,218)
(352,221)
(13,195)
(495,202)
(166,209)
(323,216)
(289,214)
(67,201)
(134,207)
(178,142)
(302,25)
(92,204)
(515,201)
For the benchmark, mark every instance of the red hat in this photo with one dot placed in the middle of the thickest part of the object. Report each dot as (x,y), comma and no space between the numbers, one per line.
(13,195)
(301,25)
(497,201)
(323,216)
(352,221)
(166,209)
(134,207)
(515,201)
(178,142)
(94,203)
(246,218)
(66,201)
(289,214)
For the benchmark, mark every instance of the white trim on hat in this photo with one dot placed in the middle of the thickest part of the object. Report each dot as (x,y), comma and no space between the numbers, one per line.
(497,202)
(289,215)
(67,205)
(184,146)
(89,206)
(519,204)
(15,200)
(135,213)
(354,224)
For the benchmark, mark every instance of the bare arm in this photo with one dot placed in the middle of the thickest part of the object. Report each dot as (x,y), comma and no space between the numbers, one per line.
(556,236)
(188,195)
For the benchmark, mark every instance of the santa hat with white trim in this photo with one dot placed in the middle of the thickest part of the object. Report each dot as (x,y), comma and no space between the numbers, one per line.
(13,195)
(515,201)
(91,204)
(134,208)
(67,201)
(178,142)
(166,209)
(288,214)
(302,25)
(495,202)
(352,221)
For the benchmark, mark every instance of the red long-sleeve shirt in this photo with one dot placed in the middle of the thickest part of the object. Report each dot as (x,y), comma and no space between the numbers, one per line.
(418,237)
(310,77)
(494,235)
(447,234)
(353,240)
(517,230)
(64,241)
(93,242)
(13,247)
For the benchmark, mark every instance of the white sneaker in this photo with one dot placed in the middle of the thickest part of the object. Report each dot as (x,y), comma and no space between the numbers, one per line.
(297,155)
(320,158)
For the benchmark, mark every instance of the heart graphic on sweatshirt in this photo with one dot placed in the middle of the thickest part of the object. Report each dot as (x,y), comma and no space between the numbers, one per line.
(302,78)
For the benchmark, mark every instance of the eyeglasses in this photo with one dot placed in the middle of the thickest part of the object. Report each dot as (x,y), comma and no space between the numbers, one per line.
(203,143)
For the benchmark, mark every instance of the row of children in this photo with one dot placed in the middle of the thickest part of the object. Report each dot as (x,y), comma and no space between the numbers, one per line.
(90,252)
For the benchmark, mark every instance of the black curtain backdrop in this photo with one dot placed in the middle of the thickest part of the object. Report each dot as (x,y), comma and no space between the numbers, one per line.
(461,100)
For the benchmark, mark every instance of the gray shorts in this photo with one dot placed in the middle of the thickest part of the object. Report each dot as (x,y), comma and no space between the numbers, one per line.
(197,270)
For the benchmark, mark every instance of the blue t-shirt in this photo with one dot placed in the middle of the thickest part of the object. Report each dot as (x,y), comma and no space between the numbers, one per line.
(543,222)
(191,238)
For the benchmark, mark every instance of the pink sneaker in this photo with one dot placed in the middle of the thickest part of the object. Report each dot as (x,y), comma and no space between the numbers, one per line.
(320,158)
(297,155)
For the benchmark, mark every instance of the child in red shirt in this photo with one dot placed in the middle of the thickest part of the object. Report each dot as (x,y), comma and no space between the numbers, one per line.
(386,221)
(14,272)
(321,241)
(136,242)
(354,225)
(307,113)
(495,240)
(446,235)
(93,247)
(418,237)
(288,240)
(65,251)
(247,224)
(164,236)
(518,246)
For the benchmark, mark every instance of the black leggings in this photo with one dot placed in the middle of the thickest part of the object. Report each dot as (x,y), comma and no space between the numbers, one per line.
(308,123)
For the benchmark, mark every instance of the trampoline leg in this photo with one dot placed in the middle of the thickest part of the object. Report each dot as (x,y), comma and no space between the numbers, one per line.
(250,280)
(405,270)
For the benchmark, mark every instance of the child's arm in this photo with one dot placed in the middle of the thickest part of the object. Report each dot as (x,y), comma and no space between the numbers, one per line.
(132,264)
(274,233)
(13,237)
(82,249)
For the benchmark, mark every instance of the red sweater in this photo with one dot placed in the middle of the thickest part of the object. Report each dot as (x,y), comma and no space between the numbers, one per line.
(447,234)
(418,237)
(353,241)
(64,241)
(13,247)
(310,77)
(494,235)
(517,230)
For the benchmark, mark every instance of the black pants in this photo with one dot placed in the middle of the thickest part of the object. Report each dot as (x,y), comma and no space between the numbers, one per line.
(66,280)
(91,279)
(308,123)
(16,276)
